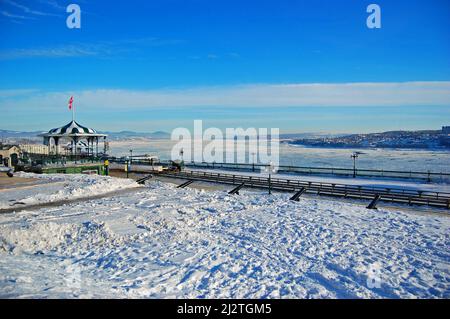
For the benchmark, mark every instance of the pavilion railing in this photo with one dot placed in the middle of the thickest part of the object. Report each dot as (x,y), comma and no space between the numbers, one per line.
(58,160)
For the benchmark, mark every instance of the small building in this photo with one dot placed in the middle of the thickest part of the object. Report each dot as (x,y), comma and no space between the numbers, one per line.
(9,155)
(37,149)
(445,136)
(446,130)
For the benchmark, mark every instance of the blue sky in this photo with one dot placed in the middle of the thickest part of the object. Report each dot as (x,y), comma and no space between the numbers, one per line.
(302,66)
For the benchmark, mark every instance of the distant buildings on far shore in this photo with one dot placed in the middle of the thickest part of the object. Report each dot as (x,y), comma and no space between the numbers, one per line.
(394,139)
(446,130)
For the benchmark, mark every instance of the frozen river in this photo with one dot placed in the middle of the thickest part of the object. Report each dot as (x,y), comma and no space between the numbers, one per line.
(404,160)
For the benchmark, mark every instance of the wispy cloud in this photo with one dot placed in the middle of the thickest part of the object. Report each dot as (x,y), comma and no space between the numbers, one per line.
(57,52)
(17,93)
(234,55)
(101,49)
(53,3)
(14,16)
(148,41)
(257,95)
(26,9)
(214,56)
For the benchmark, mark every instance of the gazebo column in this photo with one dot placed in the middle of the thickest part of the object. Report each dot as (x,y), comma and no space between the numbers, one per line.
(56,139)
(91,146)
(74,149)
(49,144)
(96,150)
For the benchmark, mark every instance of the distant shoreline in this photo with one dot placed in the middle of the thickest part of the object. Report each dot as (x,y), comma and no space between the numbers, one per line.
(351,147)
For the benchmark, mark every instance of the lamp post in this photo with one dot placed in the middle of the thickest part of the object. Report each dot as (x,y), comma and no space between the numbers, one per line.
(354,156)
(131,156)
(151,162)
(253,162)
(181,155)
(270,168)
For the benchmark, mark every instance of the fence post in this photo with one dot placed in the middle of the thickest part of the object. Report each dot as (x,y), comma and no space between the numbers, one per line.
(270,185)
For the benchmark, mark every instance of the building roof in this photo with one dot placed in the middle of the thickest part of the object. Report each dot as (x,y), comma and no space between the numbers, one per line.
(7,147)
(72,129)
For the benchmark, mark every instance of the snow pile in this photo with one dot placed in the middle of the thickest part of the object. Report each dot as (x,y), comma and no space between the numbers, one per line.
(62,187)
(161,242)
(53,237)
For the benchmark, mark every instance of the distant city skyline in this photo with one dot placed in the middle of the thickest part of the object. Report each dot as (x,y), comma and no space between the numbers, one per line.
(303,66)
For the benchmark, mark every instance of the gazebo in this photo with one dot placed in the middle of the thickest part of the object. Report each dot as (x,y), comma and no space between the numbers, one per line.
(77,135)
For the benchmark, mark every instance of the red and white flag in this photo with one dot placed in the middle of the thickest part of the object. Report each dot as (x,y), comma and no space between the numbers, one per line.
(70,102)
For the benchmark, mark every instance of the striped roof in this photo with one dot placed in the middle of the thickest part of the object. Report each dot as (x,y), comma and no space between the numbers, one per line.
(72,128)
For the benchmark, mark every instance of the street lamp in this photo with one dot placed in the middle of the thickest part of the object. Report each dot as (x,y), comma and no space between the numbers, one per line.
(253,165)
(131,156)
(181,154)
(354,156)
(270,168)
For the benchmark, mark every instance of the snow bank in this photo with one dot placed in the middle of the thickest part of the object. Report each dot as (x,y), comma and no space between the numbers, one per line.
(162,242)
(62,187)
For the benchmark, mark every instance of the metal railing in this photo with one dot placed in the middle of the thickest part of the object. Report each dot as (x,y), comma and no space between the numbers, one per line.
(387,194)
(334,171)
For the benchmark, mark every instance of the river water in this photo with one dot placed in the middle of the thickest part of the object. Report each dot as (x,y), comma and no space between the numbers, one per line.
(386,159)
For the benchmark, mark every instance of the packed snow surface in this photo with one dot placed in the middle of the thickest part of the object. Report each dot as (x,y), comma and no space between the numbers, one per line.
(59,187)
(160,241)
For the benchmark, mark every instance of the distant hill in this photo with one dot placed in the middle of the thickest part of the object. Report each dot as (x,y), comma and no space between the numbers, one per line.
(426,139)
(154,135)
(132,134)
(18,135)
(287,136)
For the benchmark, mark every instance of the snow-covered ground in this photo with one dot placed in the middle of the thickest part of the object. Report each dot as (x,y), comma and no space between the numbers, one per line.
(59,187)
(160,241)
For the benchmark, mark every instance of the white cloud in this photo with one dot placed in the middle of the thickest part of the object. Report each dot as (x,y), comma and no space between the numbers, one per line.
(26,9)
(57,52)
(13,16)
(100,48)
(17,93)
(257,95)
(54,4)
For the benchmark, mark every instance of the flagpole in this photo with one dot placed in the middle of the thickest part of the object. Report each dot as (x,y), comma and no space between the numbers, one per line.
(73,112)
